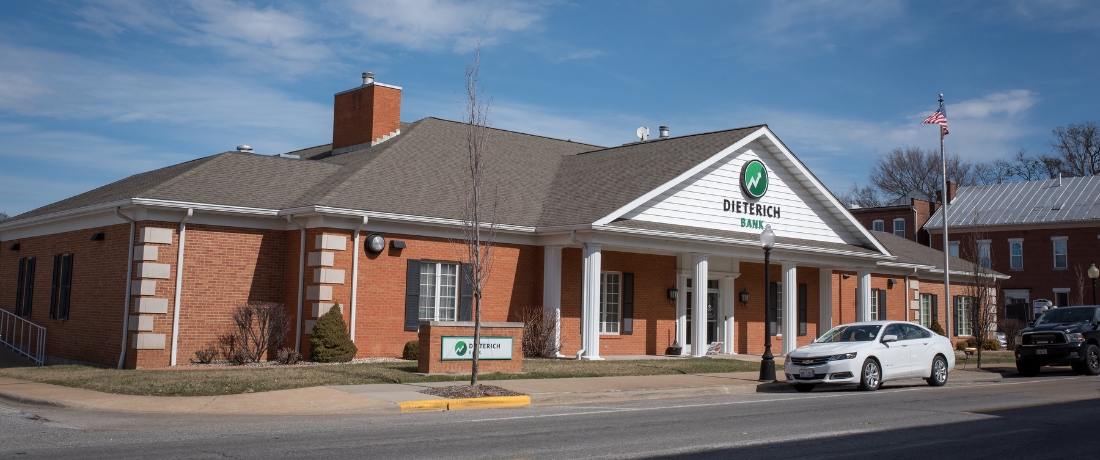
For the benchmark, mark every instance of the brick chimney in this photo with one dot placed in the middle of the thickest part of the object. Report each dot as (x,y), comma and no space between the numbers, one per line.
(952,189)
(365,116)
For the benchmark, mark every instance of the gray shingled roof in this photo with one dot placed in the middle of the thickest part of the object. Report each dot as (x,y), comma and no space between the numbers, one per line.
(753,237)
(1076,199)
(911,252)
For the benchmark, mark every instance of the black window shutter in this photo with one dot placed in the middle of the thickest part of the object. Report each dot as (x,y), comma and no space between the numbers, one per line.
(66,286)
(19,286)
(628,303)
(882,304)
(466,299)
(935,307)
(773,309)
(55,286)
(412,296)
(803,299)
(955,315)
(28,292)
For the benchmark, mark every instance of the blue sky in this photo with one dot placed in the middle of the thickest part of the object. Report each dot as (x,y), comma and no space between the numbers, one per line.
(91,92)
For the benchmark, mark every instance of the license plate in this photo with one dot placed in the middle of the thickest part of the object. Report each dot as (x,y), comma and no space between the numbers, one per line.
(1041,351)
(806,373)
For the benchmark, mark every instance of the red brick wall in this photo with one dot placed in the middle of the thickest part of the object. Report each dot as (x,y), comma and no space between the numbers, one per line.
(431,362)
(93,332)
(750,325)
(365,115)
(897,303)
(915,215)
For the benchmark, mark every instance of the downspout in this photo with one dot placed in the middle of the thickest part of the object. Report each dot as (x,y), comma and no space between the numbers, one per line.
(179,285)
(129,280)
(301,284)
(355,273)
(573,236)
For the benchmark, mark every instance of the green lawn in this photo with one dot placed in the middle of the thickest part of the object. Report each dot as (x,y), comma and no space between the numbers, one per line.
(210,382)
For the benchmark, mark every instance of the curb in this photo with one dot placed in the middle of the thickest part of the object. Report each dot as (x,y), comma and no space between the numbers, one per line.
(19,399)
(490,402)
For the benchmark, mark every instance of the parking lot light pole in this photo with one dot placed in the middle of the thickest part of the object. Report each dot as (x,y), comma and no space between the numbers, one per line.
(767,361)
(1094,273)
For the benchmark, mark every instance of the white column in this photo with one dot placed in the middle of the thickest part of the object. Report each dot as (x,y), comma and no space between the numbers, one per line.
(825,311)
(551,289)
(790,307)
(681,307)
(590,304)
(699,269)
(863,295)
(727,301)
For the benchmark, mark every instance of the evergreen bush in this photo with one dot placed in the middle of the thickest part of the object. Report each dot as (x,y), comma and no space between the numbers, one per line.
(937,328)
(330,342)
(412,350)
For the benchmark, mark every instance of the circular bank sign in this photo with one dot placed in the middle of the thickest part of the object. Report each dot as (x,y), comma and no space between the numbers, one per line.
(460,348)
(754,179)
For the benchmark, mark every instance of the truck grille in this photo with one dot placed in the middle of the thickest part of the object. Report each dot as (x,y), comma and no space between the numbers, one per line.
(1043,338)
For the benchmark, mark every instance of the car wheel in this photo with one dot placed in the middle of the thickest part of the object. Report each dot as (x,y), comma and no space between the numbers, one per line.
(1091,366)
(803,387)
(871,377)
(1027,369)
(939,372)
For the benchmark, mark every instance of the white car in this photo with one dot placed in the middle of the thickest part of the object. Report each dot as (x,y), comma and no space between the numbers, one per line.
(868,353)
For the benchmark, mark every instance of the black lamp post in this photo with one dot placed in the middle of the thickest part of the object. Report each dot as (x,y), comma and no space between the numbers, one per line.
(1094,273)
(767,361)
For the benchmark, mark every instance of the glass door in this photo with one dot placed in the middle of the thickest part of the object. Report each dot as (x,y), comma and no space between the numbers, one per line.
(712,312)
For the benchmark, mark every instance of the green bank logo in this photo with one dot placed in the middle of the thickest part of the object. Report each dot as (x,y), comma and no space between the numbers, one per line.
(754,179)
(460,348)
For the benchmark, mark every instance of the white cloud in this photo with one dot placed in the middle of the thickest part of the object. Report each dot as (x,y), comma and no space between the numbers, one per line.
(441,24)
(1007,103)
(1061,15)
(580,54)
(800,21)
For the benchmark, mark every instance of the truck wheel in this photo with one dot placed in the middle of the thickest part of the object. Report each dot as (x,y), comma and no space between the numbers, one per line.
(871,377)
(803,387)
(1027,369)
(1091,366)
(939,372)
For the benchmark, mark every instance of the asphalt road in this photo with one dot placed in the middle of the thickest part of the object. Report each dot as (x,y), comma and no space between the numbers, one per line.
(1051,416)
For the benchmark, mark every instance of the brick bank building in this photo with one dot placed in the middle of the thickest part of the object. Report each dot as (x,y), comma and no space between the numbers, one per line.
(616,241)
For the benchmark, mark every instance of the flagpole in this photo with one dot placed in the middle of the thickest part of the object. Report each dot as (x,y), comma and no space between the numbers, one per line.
(946,253)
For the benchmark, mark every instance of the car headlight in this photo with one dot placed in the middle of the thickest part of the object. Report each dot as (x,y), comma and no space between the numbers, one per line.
(1019,338)
(1074,337)
(787,361)
(843,356)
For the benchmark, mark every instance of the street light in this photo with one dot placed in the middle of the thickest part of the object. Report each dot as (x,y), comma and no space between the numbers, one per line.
(767,361)
(1094,273)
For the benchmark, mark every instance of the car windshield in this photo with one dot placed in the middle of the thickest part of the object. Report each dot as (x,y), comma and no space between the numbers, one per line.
(1067,316)
(861,333)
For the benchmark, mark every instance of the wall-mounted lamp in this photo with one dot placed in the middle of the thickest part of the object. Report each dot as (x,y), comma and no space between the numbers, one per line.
(98,237)
(375,243)
(891,282)
(672,294)
(744,297)
(397,244)
(14,247)
(845,276)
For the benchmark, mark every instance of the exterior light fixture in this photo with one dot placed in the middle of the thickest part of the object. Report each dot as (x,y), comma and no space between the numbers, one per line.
(767,361)
(744,297)
(98,237)
(891,282)
(14,247)
(375,243)
(397,244)
(672,293)
(1094,273)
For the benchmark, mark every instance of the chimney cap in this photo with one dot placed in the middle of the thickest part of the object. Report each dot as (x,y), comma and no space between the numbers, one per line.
(244,148)
(664,132)
(368,78)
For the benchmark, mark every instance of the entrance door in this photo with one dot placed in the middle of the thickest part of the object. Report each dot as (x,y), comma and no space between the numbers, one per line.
(712,313)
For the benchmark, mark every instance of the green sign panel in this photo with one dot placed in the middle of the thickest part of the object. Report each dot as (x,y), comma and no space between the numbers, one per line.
(754,179)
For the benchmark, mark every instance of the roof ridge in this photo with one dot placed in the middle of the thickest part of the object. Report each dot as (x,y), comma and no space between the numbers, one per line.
(349,169)
(517,132)
(168,183)
(686,136)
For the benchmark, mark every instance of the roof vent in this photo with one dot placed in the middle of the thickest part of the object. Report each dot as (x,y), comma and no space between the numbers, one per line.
(245,149)
(664,132)
(368,78)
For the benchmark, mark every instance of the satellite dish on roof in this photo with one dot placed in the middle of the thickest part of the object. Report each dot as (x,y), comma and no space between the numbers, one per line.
(643,133)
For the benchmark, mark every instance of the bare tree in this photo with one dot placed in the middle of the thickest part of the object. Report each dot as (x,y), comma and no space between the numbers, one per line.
(261,328)
(1078,148)
(1080,275)
(865,197)
(4,216)
(912,169)
(479,218)
(981,287)
(997,171)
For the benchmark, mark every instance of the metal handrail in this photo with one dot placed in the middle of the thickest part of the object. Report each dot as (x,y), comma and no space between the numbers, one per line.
(25,337)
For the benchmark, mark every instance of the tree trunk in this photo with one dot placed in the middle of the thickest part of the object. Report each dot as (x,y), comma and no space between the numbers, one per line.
(477,336)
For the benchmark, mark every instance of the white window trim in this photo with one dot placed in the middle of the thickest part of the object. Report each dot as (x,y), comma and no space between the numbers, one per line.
(968,313)
(874,305)
(1012,241)
(878,222)
(953,244)
(603,302)
(988,246)
(1054,251)
(438,288)
(895,229)
(925,302)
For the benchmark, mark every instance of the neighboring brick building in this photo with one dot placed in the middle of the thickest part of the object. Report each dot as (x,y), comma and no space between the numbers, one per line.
(147,270)
(903,220)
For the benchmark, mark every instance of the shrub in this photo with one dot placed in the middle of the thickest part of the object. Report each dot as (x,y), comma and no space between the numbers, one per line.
(991,344)
(961,345)
(937,328)
(1011,327)
(539,333)
(205,355)
(330,342)
(287,356)
(973,342)
(261,328)
(238,357)
(228,344)
(411,351)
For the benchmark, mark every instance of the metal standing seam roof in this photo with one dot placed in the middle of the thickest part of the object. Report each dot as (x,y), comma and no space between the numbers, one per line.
(1076,199)
(911,252)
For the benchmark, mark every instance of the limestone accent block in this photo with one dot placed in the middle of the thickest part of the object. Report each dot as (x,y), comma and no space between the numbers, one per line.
(146,252)
(328,276)
(320,308)
(149,341)
(914,284)
(153,270)
(320,293)
(155,235)
(154,306)
(309,324)
(914,304)
(143,287)
(323,259)
(141,323)
(332,242)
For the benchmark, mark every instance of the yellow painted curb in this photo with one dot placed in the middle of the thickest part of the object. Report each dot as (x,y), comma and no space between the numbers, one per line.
(464,403)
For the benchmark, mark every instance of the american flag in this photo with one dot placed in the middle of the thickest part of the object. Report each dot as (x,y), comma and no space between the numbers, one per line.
(939,117)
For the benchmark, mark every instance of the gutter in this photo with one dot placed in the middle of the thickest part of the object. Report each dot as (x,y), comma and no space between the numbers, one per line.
(355,274)
(179,285)
(129,281)
(301,284)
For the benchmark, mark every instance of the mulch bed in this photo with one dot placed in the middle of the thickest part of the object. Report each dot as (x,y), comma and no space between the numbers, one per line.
(467,391)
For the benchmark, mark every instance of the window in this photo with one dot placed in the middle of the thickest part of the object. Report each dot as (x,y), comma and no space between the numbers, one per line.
(1060,258)
(874,305)
(878,226)
(899,227)
(953,248)
(984,257)
(1016,254)
(779,309)
(926,310)
(610,302)
(24,292)
(963,315)
(1061,297)
(438,291)
(61,286)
